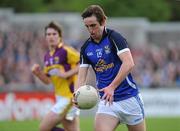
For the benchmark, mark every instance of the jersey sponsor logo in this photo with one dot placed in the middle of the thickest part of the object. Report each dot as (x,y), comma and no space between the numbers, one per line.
(56,60)
(89,54)
(107,49)
(102,66)
(99,53)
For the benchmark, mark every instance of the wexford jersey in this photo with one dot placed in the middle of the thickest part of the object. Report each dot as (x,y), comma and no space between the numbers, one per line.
(63,58)
(104,59)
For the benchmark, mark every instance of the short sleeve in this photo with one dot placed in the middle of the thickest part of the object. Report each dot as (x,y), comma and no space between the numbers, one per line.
(119,42)
(72,55)
(84,62)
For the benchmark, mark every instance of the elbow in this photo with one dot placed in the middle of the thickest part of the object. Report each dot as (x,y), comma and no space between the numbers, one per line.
(65,77)
(77,70)
(47,82)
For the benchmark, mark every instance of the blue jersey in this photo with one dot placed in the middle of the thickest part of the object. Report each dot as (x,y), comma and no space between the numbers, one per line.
(104,59)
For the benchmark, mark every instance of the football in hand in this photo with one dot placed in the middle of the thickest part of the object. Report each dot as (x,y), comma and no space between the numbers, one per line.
(86,97)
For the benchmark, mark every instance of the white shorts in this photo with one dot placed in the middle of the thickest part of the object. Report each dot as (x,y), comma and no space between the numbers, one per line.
(129,111)
(62,104)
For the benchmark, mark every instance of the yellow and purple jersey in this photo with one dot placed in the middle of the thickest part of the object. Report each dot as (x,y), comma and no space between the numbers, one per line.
(63,58)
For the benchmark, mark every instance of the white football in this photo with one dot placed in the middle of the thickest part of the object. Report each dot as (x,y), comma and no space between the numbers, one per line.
(86,97)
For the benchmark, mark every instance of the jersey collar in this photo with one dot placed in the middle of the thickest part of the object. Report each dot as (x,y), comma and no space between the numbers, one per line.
(52,51)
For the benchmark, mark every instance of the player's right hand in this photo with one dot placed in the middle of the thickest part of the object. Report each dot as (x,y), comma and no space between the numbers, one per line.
(108,95)
(36,69)
(74,100)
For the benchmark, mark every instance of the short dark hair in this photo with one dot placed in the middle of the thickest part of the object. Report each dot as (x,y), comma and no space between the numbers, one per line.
(94,10)
(55,26)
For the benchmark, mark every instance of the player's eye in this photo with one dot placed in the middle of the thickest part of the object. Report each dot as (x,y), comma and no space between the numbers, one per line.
(86,26)
(48,34)
(93,25)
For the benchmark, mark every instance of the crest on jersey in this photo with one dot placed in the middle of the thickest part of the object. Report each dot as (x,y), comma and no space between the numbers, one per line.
(56,60)
(107,49)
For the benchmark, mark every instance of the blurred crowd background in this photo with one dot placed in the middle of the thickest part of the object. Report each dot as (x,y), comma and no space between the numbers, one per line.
(23,44)
(156,65)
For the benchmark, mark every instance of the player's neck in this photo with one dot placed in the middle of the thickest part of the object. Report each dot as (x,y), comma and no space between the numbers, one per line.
(52,48)
(98,34)
(98,39)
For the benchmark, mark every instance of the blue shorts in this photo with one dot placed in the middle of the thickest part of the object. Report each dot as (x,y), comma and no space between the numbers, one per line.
(129,111)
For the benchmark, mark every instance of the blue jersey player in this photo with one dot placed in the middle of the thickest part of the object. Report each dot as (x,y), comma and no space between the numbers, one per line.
(108,54)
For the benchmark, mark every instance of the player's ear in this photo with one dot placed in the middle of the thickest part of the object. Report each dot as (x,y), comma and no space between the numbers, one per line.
(60,39)
(103,23)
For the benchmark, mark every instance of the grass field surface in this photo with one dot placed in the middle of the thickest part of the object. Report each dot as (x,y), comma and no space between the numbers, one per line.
(86,124)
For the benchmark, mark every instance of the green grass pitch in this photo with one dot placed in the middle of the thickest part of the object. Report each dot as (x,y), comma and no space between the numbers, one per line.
(86,124)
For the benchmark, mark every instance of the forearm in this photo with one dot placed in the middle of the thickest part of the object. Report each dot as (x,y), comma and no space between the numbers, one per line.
(71,72)
(82,74)
(43,77)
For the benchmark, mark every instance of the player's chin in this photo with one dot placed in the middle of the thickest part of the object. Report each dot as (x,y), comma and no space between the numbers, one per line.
(53,45)
(93,36)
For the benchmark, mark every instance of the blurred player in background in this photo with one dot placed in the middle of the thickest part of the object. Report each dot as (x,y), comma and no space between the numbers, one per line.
(108,54)
(60,69)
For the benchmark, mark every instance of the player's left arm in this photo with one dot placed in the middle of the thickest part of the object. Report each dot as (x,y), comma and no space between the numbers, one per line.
(125,56)
(126,67)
